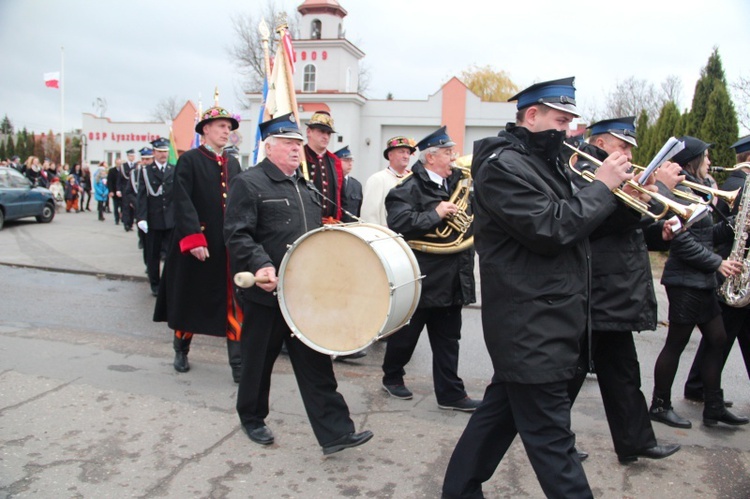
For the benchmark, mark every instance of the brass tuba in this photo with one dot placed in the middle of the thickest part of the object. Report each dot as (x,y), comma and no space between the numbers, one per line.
(736,288)
(453,237)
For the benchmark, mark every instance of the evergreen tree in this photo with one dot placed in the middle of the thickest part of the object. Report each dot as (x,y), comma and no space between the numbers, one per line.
(10,147)
(20,146)
(2,150)
(682,125)
(6,127)
(663,128)
(28,143)
(644,133)
(712,75)
(720,127)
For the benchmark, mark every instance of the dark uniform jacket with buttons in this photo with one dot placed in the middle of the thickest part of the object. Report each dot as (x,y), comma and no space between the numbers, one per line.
(266,212)
(449,278)
(193,297)
(351,199)
(622,288)
(531,234)
(157,210)
(692,262)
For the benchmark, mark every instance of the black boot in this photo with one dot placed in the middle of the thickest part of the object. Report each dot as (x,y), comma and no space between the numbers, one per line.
(715,412)
(234,349)
(661,411)
(181,349)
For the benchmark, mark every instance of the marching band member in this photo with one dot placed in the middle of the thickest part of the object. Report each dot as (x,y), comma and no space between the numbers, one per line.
(417,206)
(196,296)
(531,234)
(324,166)
(397,152)
(690,280)
(736,319)
(269,207)
(622,301)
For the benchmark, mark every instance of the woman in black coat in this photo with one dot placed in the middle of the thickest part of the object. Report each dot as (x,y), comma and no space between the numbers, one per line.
(690,280)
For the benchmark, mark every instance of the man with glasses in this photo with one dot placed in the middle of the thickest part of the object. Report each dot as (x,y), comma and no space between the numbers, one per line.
(416,207)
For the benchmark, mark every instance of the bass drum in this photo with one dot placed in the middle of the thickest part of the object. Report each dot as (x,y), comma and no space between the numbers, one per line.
(343,287)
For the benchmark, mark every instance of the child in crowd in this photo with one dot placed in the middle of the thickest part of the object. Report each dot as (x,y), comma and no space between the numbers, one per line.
(72,190)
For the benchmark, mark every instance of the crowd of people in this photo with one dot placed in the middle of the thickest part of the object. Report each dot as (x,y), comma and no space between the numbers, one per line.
(565,272)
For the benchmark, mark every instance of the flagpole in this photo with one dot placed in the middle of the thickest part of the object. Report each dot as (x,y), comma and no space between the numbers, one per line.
(62,106)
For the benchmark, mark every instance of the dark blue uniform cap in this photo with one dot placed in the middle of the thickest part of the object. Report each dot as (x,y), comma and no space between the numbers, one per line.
(693,148)
(281,126)
(146,152)
(622,128)
(438,138)
(344,153)
(160,144)
(742,145)
(557,94)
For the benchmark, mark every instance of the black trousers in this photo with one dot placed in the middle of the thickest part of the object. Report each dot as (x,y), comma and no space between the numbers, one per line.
(263,332)
(128,211)
(619,375)
(116,207)
(737,325)
(540,414)
(155,238)
(444,329)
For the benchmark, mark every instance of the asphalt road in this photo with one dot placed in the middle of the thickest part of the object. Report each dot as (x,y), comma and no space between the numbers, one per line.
(90,406)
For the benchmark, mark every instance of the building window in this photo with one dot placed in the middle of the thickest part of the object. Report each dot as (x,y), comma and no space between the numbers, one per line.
(348,80)
(308,82)
(341,31)
(316,29)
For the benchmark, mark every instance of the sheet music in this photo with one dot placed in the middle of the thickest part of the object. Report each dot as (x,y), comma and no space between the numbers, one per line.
(671,147)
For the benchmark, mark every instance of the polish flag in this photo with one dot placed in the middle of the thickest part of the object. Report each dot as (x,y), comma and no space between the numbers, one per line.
(52,80)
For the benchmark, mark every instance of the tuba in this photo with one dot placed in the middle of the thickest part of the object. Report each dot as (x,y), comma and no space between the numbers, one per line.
(453,237)
(736,288)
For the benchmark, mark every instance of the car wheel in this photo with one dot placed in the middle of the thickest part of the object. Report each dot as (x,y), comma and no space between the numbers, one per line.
(48,213)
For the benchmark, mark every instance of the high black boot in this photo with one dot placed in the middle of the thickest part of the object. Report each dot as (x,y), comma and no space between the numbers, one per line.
(715,412)
(661,411)
(234,350)
(181,349)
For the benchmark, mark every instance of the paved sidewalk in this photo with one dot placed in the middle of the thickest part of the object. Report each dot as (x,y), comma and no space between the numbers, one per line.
(98,411)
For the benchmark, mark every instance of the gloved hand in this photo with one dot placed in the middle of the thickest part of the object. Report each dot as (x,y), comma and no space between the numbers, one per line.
(143,225)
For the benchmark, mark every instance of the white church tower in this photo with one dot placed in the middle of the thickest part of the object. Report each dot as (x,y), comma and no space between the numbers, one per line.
(326,61)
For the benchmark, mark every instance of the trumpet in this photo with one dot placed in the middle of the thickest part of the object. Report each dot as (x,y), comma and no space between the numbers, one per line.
(688,214)
(729,197)
(738,166)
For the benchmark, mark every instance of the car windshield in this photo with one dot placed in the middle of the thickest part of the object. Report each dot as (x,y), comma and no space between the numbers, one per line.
(15,179)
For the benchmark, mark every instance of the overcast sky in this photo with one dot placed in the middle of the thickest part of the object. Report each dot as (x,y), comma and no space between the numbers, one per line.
(134,53)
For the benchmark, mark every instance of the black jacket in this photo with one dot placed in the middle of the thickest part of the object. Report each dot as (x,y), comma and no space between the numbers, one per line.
(692,262)
(531,234)
(351,198)
(266,212)
(449,278)
(157,210)
(193,296)
(622,288)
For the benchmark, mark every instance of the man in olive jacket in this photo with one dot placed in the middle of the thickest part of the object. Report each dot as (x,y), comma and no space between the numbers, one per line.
(531,234)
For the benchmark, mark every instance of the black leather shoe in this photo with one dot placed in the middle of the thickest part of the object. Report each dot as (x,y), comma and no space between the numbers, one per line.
(465,405)
(261,435)
(582,456)
(352,356)
(349,440)
(655,452)
(669,418)
(398,391)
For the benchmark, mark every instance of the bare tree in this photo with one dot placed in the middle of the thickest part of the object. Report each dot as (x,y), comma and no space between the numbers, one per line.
(363,80)
(741,92)
(100,106)
(166,109)
(631,96)
(247,50)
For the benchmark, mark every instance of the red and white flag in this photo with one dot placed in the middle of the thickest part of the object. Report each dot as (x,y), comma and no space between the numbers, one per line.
(52,80)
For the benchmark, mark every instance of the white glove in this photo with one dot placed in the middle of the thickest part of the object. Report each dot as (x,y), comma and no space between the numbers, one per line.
(143,225)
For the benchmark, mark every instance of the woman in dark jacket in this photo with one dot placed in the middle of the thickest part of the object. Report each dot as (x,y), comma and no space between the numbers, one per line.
(690,280)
